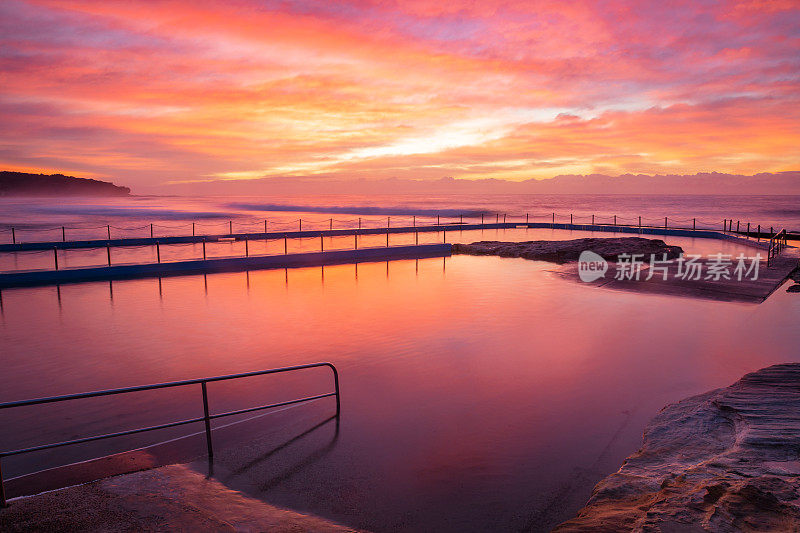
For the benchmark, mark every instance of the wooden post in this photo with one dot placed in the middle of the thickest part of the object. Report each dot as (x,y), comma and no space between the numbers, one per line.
(497,218)
(158,252)
(771,232)
(55,256)
(592,220)
(108,254)
(554,220)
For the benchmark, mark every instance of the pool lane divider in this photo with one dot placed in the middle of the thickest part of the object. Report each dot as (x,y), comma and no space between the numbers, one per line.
(224,264)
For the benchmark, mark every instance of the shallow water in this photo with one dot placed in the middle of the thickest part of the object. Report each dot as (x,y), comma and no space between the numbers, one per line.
(478,393)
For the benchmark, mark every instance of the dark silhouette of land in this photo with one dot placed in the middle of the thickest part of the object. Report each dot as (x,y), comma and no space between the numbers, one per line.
(25,184)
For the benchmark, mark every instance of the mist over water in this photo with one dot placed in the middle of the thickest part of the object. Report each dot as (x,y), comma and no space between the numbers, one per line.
(35,217)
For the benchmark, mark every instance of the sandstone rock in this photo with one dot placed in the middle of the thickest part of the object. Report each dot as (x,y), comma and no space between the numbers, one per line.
(566,251)
(727,460)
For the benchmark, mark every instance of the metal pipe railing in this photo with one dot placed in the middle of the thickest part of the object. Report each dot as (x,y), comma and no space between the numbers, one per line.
(206,418)
(776,245)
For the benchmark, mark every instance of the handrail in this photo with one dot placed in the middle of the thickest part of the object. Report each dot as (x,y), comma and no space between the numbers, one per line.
(776,245)
(207,416)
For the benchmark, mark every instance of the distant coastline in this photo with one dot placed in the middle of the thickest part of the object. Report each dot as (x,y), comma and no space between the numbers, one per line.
(26,184)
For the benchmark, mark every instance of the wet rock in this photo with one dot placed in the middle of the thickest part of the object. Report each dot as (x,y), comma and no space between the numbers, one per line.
(727,460)
(566,251)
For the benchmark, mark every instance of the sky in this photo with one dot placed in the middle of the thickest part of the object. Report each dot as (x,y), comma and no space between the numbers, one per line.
(161,93)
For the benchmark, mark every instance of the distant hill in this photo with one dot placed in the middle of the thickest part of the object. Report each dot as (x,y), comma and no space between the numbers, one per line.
(25,184)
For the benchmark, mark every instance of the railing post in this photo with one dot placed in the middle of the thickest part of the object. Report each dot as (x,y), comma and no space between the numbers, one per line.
(437,220)
(359,222)
(246,248)
(460,219)
(108,254)
(497,218)
(13,236)
(285,245)
(553,224)
(414,221)
(748,230)
(336,388)
(388,222)
(481,219)
(615,220)
(570,219)
(331,225)
(204,249)
(158,252)
(444,235)
(230,227)
(694,224)
(504,218)
(151,230)
(265,225)
(193,229)
(321,243)
(55,256)
(355,241)
(593,220)
(759,232)
(108,231)
(300,221)
(640,221)
(207,420)
(665,222)
(63,234)
(387,237)
(416,238)
(737,226)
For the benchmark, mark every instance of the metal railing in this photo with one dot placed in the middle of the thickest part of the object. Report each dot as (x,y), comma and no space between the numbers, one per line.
(776,245)
(206,418)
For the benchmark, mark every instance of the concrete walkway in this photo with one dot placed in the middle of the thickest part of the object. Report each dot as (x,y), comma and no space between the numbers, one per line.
(170,498)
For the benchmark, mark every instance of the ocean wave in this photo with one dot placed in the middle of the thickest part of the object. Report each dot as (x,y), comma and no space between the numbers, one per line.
(128,212)
(358,210)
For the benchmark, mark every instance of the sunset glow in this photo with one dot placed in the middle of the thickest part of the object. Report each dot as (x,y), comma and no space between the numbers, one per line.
(169,91)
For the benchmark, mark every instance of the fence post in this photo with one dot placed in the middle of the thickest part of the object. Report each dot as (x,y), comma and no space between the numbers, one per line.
(204,249)
(388,222)
(151,230)
(387,239)
(359,222)
(193,233)
(554,221)
(414,221)
(285,245)
(461,219)
(526,218)
(416,238)
(759,232)
(158,252)
(13,236)
(207,420)
(694,224)
(355,241)
(570,219)
(230,227)
(748,230)
(301,224)
(665,222)
(63,234)
(737,226)
(497,218)
(331,226)
(108,231)
(265,225)
(771,232)
(615,220)
(481,219)
(444,235)
(640,221)
(592,220)
(321,243)
(504,218)
(437,220)
(55,256)
(246,248)
(108,254)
